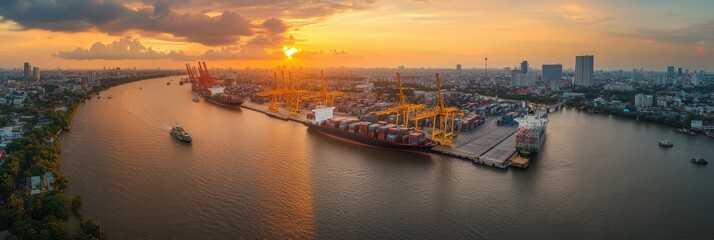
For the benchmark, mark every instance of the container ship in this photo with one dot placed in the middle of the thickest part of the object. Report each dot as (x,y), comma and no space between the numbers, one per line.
(380,134)
(531,134)
(218,96)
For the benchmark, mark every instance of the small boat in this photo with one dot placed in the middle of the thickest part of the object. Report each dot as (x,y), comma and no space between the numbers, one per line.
(687,131)
(110,97)
(710,134)
(666,143)
(168,83)
(195,99)
(140,88)
(699,160)
(180,134)
(98,97)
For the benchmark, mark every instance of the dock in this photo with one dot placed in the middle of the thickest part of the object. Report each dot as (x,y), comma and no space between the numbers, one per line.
(488,144)
(284,114)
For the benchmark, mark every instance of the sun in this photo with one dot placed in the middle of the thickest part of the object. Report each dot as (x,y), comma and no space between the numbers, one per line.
(290,51)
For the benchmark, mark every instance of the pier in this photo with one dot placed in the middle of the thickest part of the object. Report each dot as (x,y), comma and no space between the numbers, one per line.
(488,144)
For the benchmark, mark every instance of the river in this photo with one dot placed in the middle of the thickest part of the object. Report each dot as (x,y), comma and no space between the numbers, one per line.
(251,176)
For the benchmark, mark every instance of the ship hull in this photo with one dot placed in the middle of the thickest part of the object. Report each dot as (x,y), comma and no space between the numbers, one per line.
(180,139)
(223,103)
(531,151)
(361,139)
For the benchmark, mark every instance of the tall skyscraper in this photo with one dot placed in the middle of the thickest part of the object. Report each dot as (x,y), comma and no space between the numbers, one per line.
(36,74)
(584,70)
(524,67)
(660,78)
(679,71)
(552,72)
(28,71)
(458,68)
(670,71)
(514,77)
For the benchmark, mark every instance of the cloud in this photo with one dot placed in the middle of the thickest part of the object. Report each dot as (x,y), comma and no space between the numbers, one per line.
(700,32)
(115,18)
(132,49)
(300,9)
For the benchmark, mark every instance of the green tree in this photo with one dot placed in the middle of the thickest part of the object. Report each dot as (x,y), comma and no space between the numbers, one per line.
(61,182)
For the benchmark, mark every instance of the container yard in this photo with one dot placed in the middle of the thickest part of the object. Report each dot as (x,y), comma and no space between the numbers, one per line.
(482,130)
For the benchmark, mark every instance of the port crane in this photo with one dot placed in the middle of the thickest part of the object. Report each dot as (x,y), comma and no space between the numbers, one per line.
(443,118)
(205,79)
(276,94)
(192,74)
(294,96)
(200,77)
(403,109)
(325,97)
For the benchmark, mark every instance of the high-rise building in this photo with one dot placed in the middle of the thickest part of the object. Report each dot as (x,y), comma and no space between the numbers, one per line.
(584,70)
(552,72)
(642,100)
(36,74)
(670,71)
(679,71)
(458,68)
(524,67)
(695,79)
(28,71)
(660,78)
(514,77)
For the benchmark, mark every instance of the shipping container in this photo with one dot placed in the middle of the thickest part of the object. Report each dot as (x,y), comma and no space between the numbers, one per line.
(391,137)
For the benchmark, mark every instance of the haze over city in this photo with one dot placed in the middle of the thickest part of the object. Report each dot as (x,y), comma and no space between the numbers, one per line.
(371,33)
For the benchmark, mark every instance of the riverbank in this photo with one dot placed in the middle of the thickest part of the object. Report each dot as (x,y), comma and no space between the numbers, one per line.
(675,122)
(47,212)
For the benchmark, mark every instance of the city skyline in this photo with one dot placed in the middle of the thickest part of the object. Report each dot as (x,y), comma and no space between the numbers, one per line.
(438,34)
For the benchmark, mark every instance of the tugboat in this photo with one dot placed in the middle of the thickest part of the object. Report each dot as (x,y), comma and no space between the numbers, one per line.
(666,143)
(195,99)
(180,134)
(699,160)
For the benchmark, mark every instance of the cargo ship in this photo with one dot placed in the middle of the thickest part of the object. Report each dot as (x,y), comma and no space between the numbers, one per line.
(380,134)
(216,95)
(531,134)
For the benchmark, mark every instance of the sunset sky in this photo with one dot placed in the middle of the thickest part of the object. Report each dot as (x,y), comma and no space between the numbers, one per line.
(356,33)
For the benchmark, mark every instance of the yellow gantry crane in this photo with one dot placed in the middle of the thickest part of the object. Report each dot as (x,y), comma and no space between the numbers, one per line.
(443,119)
(276,94)
(294,96)
(403,109)
(326,97)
